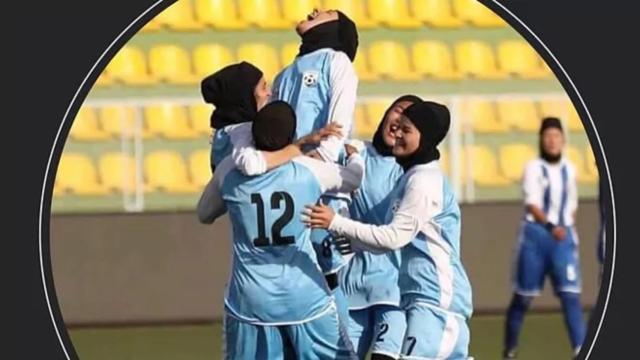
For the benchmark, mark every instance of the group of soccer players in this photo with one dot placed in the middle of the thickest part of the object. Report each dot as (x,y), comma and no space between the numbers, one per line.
(341,248)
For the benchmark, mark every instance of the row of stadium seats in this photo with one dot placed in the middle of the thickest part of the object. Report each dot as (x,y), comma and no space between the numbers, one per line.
(195,15)
(167,171)
(180,122)
(381,60)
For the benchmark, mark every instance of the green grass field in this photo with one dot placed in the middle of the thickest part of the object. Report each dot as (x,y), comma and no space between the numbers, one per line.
(543,337)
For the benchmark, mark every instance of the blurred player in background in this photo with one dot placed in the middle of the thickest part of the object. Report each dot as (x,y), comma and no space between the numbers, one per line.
(370,281)
(424,222)
(548,243)
(321,85)
(238,91)
(277,299)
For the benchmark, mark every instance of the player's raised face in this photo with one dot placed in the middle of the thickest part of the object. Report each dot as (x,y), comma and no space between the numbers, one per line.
(407,138)
(391,122)
(552,141)
(262,93)
(316,17)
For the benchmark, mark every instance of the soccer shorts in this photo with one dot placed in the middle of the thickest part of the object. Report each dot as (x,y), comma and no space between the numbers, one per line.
(434,334)
(539,254)
(378,329)
(322,339)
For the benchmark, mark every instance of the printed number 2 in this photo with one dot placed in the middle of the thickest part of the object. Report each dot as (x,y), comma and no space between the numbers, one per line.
(281,222)
(383,330)
(412,344)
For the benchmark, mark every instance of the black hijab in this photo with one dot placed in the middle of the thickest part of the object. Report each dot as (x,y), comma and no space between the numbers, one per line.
(274,126)
(378,141)
(549,122)
(231,91)
(340,35)
(433,121)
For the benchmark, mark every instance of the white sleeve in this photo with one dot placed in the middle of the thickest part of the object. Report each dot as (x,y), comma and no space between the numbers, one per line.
(333,177)
(211,205)
(245,156)
(573,191)
(344,88)
(416,208)
(531,186)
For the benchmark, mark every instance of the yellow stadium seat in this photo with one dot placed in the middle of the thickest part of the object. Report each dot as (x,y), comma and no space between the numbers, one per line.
(209,58)
(480,114)
(375,110)
(152,25)
(555,108)
(517,57)
(475,13)
(475,58)
(592,166)
(364,129)
(118,172)
(200,167)
(104,79)
(520,114)
(85,127)
(261,55)
(200,115)
(289,52)
(56,190)
(262,13)
(120,121)
(392,13)
(363,68)
(180,16)
(295,11)
(574,122)
(445,161)
(172,64)
(166,171)
(77,174)
(513,158)
(433,59)
(129,66)
(484,167)
(436,13)
(221,14)
(169,120)
(575,156)
(354,9)
(391,59)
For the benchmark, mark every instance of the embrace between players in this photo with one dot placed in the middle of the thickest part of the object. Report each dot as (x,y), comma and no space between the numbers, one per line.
(341,248)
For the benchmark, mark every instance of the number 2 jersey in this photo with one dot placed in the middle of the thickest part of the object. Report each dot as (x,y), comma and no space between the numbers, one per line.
(275,277)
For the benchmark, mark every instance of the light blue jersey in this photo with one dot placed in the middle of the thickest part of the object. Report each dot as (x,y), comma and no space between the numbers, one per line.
(431,269)
(371,279)
(221,147)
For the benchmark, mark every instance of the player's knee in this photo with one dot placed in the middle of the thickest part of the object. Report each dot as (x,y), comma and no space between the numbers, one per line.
(521,301)
(569,298)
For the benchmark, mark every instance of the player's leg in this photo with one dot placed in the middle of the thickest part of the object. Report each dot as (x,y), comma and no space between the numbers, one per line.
(244,341)
(323,338)
(528,277)
(566,280)
(390,328)
(360,331)
(434,334)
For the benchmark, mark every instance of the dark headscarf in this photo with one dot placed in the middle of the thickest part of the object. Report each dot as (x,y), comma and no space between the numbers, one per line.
(549,122)
(340,35)
(274,126)
(231,91)
(433,121)
(378,141)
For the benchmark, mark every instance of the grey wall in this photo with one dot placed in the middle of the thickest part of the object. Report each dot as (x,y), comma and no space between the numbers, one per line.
(167,267)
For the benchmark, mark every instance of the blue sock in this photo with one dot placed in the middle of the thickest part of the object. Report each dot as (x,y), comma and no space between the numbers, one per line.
(573,318)
(515,316)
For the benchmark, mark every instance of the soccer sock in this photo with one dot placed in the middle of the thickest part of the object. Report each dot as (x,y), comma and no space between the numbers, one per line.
(573,317)
(381,357)
(515,316)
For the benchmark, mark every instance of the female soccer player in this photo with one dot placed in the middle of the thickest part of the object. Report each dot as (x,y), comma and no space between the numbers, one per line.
(424,222)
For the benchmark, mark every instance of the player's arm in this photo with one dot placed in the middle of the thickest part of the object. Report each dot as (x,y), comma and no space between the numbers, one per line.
(533,194)
(344,87)
(211,205)
(404,227)
(573,194)
(337,178)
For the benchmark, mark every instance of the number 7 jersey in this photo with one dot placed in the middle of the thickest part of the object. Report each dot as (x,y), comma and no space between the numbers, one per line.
(275,277)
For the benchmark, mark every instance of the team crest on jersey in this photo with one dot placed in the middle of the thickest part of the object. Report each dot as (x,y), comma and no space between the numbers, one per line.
(310,78)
